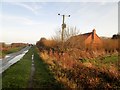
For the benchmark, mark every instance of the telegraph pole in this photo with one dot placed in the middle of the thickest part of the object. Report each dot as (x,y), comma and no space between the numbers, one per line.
(63,27)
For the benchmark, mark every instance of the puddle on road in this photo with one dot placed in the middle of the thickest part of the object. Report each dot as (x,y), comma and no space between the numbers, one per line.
(7,56)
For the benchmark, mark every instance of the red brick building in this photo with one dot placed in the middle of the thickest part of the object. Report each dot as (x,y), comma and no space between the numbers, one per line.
(85,41)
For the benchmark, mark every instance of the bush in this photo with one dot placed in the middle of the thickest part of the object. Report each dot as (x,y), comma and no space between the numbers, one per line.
(82,74)
(110,45)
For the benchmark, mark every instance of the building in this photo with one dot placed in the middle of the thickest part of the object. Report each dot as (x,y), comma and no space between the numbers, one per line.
(85,41)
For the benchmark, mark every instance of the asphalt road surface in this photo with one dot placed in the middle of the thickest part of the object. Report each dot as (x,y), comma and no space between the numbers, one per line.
(11,59)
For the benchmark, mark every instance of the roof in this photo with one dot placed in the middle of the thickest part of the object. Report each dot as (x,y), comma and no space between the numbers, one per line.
(80,37)
(77,40)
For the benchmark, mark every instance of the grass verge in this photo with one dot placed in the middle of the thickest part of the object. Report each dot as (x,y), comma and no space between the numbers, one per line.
(17,76)
(43,78)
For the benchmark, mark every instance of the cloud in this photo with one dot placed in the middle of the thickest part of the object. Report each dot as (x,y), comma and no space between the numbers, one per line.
(34,7)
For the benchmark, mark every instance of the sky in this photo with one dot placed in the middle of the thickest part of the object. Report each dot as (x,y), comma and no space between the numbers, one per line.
(29,21)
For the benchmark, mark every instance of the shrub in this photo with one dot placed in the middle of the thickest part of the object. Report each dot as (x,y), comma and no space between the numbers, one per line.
(110,45)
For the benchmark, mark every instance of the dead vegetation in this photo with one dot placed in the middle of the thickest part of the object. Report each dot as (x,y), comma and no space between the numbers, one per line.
(80,66)
(111,45)
(84,73)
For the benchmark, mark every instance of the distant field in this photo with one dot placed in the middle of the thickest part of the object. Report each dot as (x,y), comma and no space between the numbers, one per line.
(11,50)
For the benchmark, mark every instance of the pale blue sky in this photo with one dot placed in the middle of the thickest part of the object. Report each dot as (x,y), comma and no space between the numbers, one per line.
(29,21)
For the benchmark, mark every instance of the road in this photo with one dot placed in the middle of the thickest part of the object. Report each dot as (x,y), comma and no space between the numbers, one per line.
(11,59)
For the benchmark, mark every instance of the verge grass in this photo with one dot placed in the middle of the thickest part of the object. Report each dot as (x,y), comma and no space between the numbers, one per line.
(17,75)
(43,78)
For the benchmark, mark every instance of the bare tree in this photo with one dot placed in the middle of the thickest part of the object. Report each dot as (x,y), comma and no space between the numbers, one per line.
(57,36)
(68,32)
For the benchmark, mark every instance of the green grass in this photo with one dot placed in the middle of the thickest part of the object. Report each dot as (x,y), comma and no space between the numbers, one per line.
(100,61)
(110,59)
(43,78)
(17,76)
(113,59)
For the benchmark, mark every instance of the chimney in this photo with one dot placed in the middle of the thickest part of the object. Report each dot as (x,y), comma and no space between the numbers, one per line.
(93,33)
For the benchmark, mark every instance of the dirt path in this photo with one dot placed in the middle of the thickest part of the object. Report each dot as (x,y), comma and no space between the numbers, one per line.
(32,73)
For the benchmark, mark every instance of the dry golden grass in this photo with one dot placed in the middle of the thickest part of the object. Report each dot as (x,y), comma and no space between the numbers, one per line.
(111,44)
(86,74)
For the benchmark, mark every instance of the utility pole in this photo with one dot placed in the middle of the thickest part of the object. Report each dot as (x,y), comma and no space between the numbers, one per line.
(63,27)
